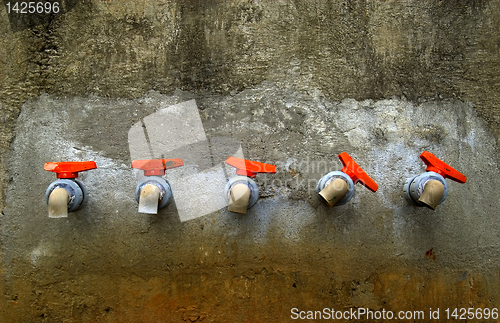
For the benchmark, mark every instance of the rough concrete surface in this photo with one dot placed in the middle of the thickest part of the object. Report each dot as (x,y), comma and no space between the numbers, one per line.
(287,233)
(296,82)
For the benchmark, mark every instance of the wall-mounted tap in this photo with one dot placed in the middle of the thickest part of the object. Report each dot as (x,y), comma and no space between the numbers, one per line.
(153,192)
(337,188)
(66,194)
(241,192)
(430,188)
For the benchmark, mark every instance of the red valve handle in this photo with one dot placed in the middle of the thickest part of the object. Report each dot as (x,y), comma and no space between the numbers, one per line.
(249,168)
(438,166)
(356,173)
(69,169)
(152,167)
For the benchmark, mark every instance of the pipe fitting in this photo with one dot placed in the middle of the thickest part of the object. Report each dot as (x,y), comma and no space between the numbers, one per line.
(337,188)
(77,194)
(332,191)
(430,188)
(239,196)
(58,203)
(66,194)
(241,193)
(156,192)
(414,189)
(433,193)
(153,192)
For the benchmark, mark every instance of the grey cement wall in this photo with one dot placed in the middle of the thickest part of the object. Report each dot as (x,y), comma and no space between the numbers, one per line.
(296,83)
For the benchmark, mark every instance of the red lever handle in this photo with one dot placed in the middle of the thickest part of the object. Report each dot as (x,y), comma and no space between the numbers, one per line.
(153,167)
(356,173)
(438,166)
(249,168)
(69,169)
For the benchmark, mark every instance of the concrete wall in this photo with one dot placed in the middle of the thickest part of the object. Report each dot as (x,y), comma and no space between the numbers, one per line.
(296,82)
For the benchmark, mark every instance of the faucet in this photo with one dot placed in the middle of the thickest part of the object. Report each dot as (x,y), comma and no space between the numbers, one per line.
(66,194)
(430,188)
(153,192)
(241,192)
(337,188)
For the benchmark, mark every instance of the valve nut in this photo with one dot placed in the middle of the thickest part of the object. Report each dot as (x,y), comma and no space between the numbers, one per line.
(254,190)
(163,185)
(77,192)
(325,180)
